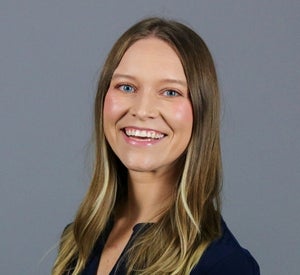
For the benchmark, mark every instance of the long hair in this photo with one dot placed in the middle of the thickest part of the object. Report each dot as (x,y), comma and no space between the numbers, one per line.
(175,243)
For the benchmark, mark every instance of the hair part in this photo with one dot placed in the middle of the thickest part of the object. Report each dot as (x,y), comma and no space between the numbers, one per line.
(176,242)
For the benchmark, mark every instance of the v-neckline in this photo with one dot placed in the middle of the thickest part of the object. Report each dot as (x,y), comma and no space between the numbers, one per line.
(120,263)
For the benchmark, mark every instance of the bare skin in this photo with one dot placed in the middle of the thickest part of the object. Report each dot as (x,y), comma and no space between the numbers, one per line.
(114,246)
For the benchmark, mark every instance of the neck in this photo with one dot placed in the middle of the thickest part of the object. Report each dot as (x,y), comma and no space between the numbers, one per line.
(149,195)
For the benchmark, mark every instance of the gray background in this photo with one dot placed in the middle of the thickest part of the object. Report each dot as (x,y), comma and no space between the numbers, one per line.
(51,53)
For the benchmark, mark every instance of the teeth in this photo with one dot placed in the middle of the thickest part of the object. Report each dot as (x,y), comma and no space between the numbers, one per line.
(143,133)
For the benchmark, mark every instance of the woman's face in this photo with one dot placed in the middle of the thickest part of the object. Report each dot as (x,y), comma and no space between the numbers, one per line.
(147,111)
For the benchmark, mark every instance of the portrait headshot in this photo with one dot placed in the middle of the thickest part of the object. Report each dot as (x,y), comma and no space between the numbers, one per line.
(150,137)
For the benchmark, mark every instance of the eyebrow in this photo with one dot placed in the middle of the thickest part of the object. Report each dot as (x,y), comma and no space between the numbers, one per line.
(164,80)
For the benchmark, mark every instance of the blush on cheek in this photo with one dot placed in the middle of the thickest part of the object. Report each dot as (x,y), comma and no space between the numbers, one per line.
(183,112)
(107,103)
(112,107)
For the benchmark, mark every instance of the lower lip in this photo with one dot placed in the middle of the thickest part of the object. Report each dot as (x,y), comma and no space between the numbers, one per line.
(140,142)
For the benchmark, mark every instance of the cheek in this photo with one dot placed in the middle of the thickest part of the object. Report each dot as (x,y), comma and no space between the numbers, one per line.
(107,107)
(183,114)
(112,107)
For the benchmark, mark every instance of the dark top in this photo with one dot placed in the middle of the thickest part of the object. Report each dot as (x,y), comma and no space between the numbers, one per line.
(224,256)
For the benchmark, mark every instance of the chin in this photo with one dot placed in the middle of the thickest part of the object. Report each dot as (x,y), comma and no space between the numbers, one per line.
(140,168)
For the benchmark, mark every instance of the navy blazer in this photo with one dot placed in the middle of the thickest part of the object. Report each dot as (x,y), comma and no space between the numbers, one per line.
(223,256)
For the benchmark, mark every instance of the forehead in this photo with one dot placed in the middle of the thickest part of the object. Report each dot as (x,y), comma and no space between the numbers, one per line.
(151,55)
(151,45)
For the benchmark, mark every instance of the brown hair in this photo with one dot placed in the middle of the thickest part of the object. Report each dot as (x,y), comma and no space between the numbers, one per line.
(176,242)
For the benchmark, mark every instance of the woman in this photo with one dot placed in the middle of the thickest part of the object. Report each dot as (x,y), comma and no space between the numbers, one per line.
(153,205)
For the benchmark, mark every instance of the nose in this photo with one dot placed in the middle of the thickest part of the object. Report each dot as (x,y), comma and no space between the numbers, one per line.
(144,106)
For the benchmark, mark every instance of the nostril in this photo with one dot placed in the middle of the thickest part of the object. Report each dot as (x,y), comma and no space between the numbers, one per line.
(144,111)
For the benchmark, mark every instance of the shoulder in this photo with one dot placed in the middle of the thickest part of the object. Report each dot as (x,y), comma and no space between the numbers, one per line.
(225,256)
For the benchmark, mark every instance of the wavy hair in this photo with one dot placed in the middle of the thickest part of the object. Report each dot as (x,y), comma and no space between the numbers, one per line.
(175,243)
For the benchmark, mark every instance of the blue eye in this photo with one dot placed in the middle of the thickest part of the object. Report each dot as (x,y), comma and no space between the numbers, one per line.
(126,88)
(171,93)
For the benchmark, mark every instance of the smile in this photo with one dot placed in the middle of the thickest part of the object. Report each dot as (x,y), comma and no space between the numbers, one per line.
(143,133)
